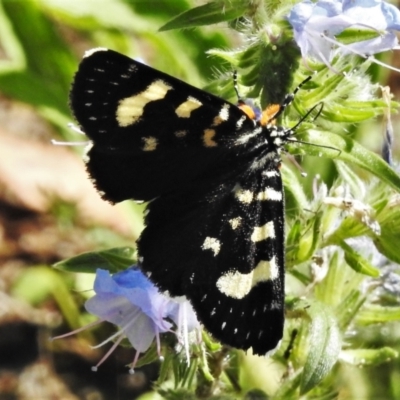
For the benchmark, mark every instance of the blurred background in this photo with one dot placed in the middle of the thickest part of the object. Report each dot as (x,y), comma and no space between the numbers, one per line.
(49,210)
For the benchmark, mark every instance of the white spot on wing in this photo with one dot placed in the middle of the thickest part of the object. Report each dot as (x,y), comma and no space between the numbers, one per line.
(88,147)
(222,116)
(248,135)
(185,109)
(224,113)
(269,194)
(150,143)
(263,232)
(270,174)
(244,196)
(212,244)
(261,162)
(275,305)
(235,222)
(240,121)
(131,108)
(238,285)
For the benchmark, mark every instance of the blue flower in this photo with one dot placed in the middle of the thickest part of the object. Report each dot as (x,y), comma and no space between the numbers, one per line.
(316,24)
(130,301)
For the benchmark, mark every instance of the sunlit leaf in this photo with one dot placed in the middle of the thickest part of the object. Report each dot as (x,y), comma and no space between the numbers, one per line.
(112,260)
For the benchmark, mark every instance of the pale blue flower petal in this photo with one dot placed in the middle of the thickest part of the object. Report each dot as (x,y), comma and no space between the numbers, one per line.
(142,333)
(316,24)
(180,311)
(114,309)
(130,301)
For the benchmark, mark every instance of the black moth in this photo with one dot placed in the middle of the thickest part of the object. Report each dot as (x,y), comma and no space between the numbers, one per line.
(210,172)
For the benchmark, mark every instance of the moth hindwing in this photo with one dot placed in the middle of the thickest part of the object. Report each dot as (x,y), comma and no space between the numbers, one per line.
(210,171)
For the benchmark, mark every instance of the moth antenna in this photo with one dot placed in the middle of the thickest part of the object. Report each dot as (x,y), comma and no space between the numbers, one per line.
(236,86)
(289,98)
(316,145)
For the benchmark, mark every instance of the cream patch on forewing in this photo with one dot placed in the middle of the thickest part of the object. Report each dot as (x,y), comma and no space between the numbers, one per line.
(235,222)
(131,108)
(238,285)
(224,113)
(244,196)
(269,194)
(208,138)
(264,232)
(185,109)
(212,244)
(150,143)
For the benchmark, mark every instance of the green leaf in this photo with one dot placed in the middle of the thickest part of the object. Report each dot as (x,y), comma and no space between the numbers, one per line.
(389,218)
(368,357)
(353,112)
(150,356)
(356,184)
(289,387)
(292,241)
(352,35)
(357,262)
(113,260)
(325,345)
(207,14)
(375,314)
(349,307)
(294,188)
(47,282)
(339,281)
(310,239)
(331,145)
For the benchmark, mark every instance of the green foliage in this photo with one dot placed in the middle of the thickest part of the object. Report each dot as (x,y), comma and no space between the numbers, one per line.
(354,198)
(208,14)
(48,283)
(112,260)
